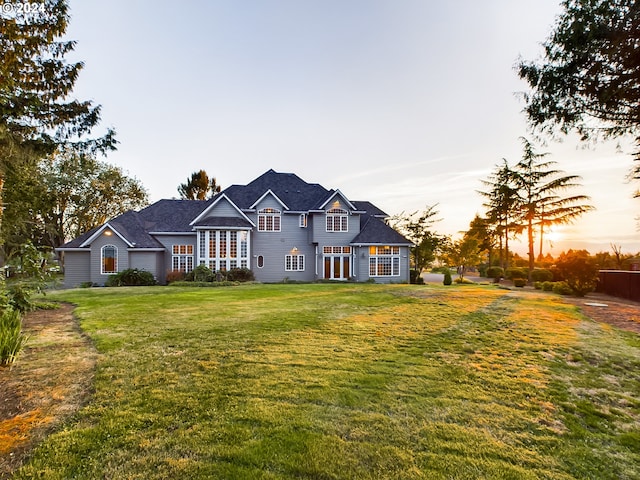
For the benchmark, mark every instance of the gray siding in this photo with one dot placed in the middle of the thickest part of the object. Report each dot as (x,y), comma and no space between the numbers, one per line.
(362,263)
(322,237)
(224,209)
(274,246)
(147,261)
(96,257)
(363,267)
(77,267)
(168,241)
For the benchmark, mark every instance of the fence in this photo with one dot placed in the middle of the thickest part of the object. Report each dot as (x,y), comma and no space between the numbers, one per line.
(620,283)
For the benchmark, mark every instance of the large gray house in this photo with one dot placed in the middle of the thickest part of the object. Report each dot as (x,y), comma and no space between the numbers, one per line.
(278,225)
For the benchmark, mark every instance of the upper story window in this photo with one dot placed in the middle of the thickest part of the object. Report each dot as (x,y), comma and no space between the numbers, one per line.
(109,259)
(337,220)
(303,220)
(269,220)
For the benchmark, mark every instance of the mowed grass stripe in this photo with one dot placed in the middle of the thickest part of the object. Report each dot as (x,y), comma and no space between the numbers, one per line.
(345,381)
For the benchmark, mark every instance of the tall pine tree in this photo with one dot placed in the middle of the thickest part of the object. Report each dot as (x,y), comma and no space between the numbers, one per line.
(37,112)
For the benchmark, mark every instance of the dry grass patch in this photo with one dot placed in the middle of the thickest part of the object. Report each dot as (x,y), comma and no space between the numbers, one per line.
(47,385)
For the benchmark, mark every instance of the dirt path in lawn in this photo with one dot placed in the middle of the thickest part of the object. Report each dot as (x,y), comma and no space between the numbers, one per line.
(50,381)
(619,312)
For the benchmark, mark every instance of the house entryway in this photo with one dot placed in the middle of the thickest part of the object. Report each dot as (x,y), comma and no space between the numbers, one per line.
(337,267)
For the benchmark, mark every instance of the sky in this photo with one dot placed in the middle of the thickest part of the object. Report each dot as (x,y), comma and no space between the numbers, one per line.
(404,103)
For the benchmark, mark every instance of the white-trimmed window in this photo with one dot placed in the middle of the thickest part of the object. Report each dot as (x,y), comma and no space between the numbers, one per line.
(109,259)
(302,222)
(269,220)
(182,258)
(294,263)
(337,220)
(384,261)
(224,249)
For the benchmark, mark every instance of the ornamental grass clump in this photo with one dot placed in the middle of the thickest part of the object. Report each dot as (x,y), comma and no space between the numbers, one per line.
(12,338)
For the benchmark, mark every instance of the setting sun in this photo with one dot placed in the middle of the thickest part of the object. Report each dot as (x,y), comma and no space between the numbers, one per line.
(554,234)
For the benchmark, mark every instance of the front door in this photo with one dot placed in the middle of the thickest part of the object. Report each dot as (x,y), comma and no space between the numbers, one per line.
(337,267)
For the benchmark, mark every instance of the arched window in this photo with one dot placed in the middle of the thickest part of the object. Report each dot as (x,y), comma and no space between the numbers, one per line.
(269,220)
(109,259)
(337,220)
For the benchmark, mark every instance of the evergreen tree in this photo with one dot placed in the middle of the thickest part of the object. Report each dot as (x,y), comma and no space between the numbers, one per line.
(538,184)
(37,114)
(503,204)
(198,187)
(589,77)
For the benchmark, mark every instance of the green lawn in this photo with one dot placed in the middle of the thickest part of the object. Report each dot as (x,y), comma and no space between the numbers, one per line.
(348,382)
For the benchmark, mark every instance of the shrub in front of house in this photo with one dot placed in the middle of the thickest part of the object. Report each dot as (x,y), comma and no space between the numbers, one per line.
(562,288)
(131,277)
(579,270)
(496,273)
(541,275)
(516,272)
(447,277)
(201,273)
(176,276)
(547,286)
(240,275)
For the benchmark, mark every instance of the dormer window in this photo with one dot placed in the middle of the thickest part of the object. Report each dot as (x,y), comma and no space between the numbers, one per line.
(269,220)
(337,220)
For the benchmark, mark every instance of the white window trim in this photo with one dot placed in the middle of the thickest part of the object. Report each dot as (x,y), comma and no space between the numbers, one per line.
(339,214)
(296,266)
(224,260)
(188,266)
(394,258)
(102,271)
(273,213)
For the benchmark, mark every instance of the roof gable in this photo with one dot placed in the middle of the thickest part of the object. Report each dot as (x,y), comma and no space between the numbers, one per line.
(336,193)
(211,208)
(290,190)
(266,194)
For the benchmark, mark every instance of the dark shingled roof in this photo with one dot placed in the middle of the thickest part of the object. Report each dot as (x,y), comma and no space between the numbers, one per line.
(375,232)
(223,222)
(130,225)
(172,215)
(297,194)
(370,208)
(175,216)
